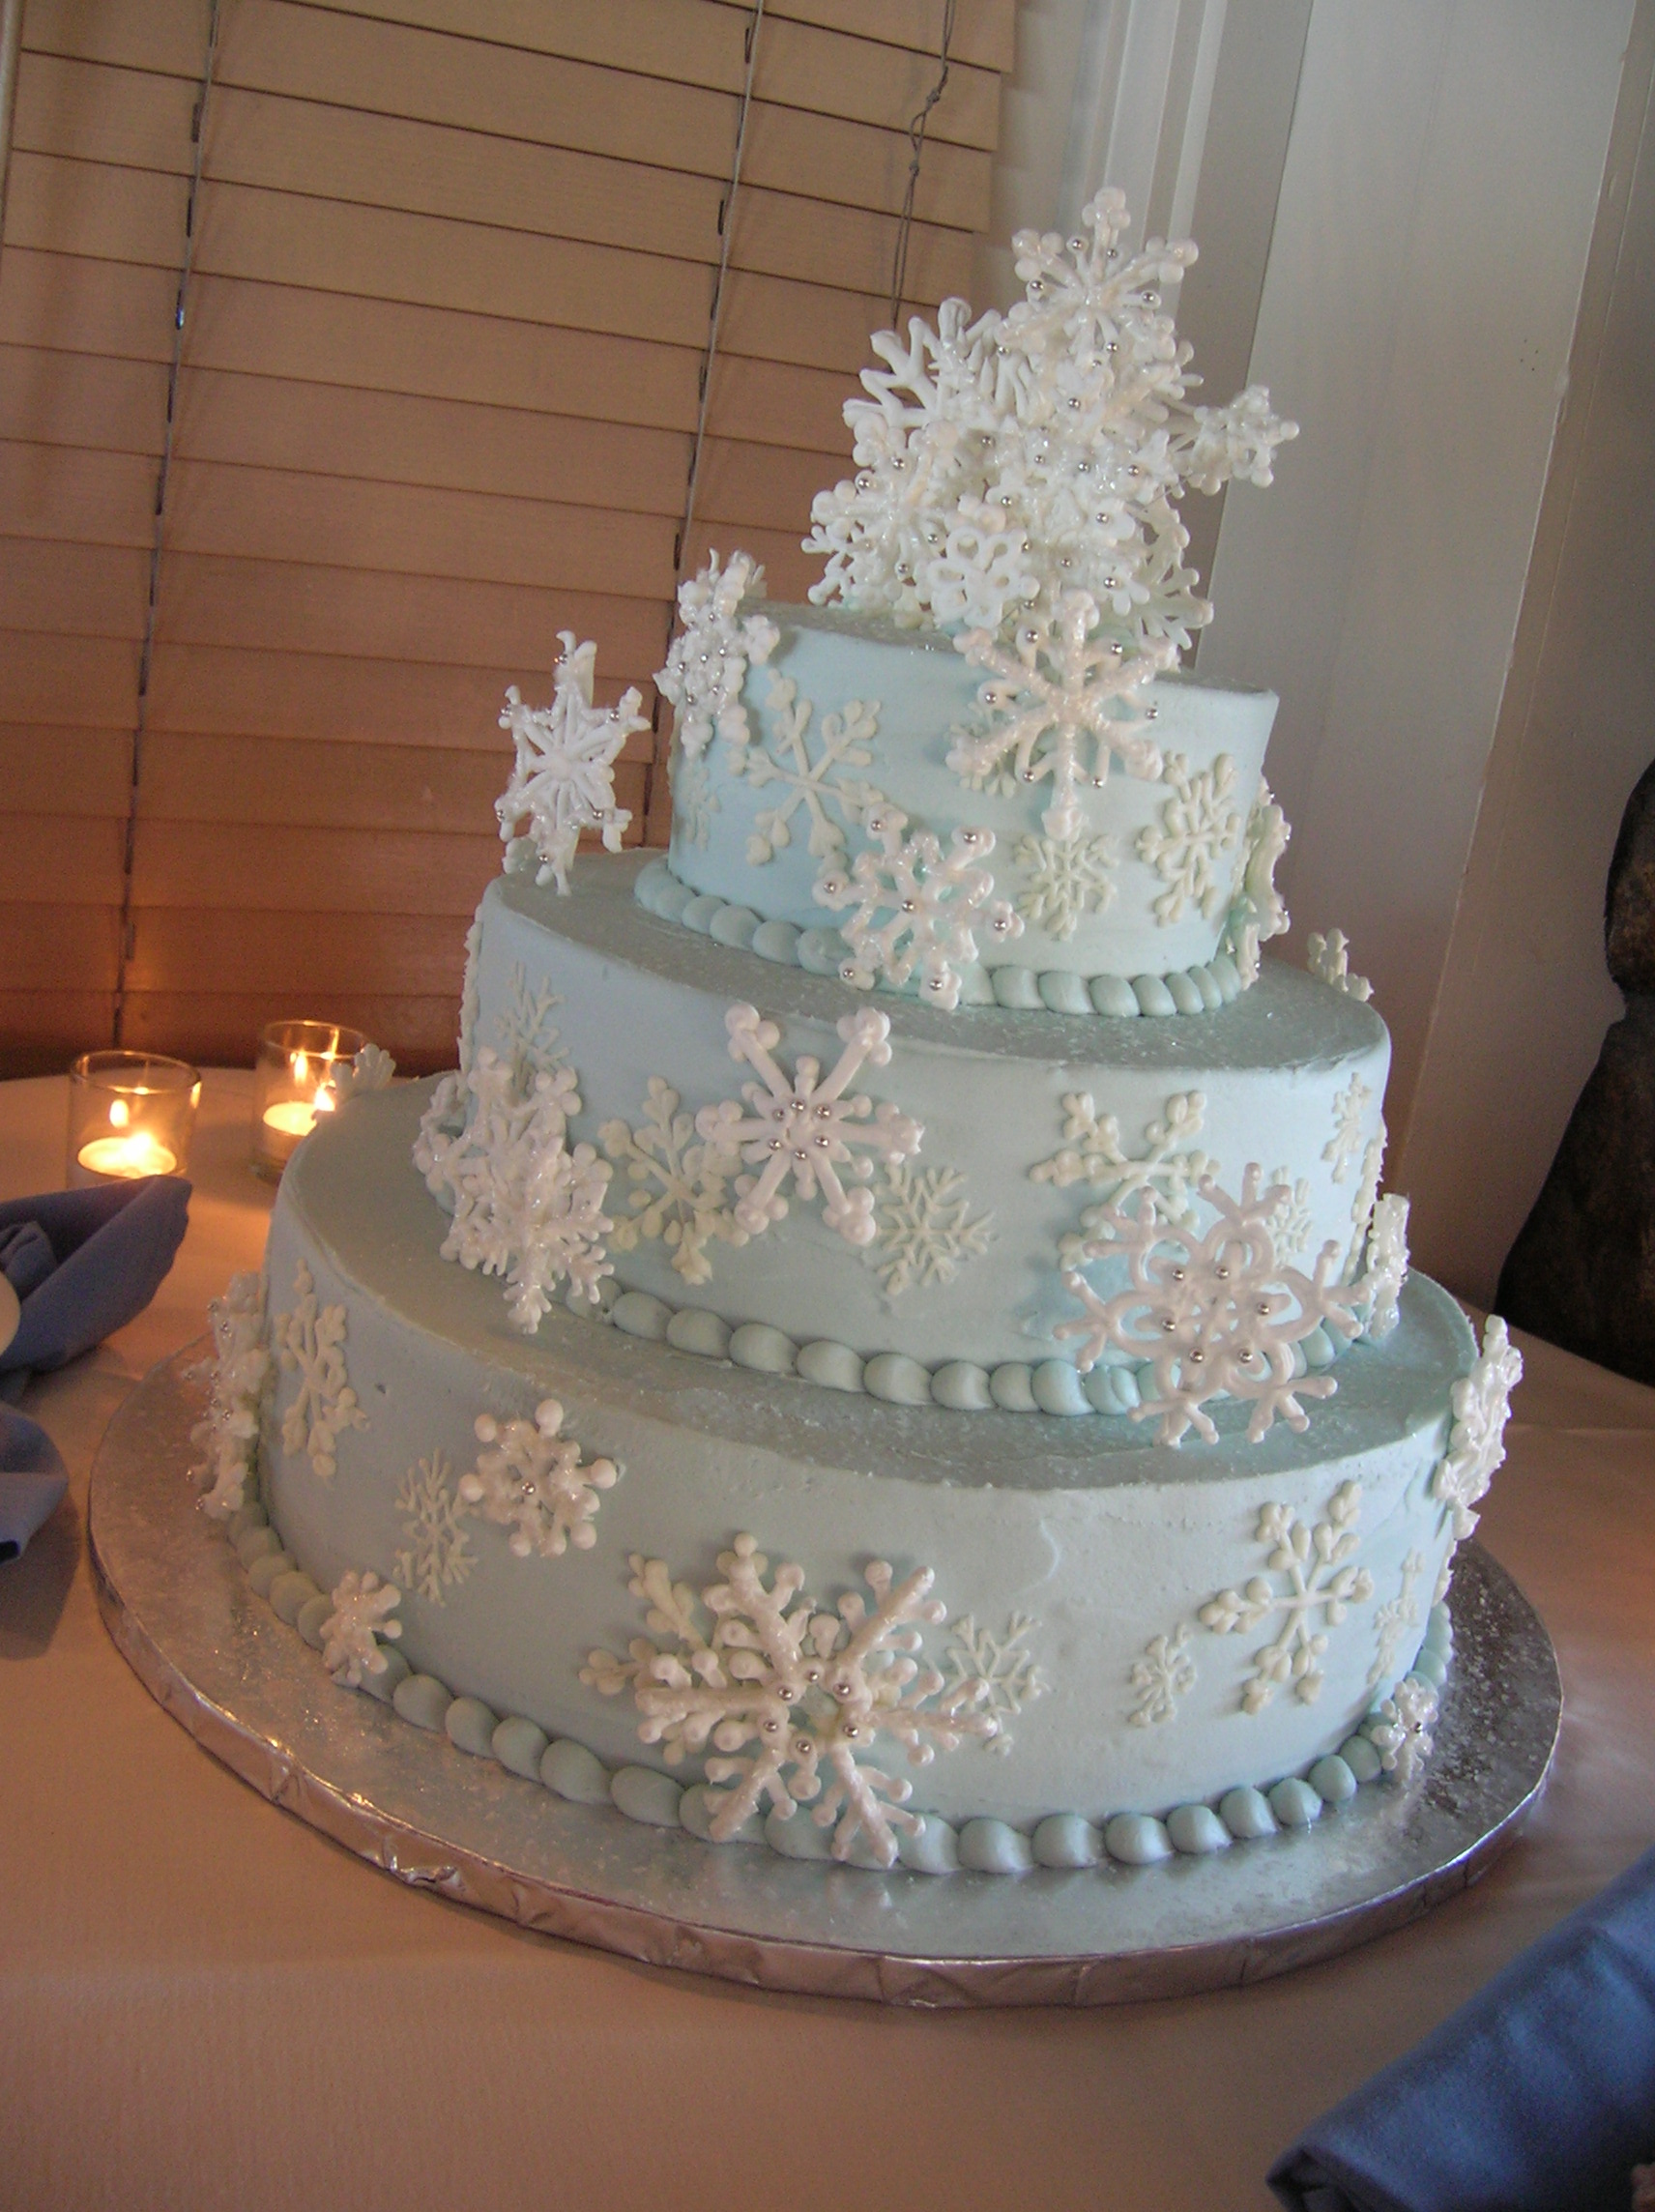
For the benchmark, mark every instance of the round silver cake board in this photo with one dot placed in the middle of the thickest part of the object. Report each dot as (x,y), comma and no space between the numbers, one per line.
(257,1698)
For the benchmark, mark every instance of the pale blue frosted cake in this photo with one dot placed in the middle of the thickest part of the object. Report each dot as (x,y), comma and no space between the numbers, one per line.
(890,1345)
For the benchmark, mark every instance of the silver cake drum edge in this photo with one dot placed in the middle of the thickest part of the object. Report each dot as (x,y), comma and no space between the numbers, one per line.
(251,1692)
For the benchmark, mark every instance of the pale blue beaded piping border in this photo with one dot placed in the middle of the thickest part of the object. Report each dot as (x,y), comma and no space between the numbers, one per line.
(961,1385)
(983,1846)
(1200,990)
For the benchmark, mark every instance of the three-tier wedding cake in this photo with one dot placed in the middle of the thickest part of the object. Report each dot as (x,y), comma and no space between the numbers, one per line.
(890,1345)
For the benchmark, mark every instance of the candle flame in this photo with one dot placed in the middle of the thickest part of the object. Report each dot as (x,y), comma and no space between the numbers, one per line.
(301,1067)
(120,1114)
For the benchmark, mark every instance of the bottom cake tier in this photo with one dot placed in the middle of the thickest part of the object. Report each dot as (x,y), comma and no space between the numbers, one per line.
(589,1553)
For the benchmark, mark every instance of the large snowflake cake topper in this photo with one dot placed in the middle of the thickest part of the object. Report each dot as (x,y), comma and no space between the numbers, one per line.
(792,1696)
(525,1205)
(531,1478)
(805,1126)
(562,777)
(1059,703)
(1000,462)
(916,906)
(707,664)
(1212,1315)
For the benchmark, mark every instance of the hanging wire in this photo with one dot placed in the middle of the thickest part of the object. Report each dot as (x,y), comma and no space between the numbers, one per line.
(692,483)
(916,140)
(198,139)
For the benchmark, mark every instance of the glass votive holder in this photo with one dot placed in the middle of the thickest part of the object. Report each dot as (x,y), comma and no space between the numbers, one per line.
(130,1113)
(295,1060)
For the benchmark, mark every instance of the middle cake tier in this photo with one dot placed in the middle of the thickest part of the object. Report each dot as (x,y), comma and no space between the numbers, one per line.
(1012,1129)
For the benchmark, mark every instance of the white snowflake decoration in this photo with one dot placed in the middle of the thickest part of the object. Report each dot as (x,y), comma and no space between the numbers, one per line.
(1211,1315)
(1476,1442)
(1320,1581)
(1386,1265)
(229,1430)
(438,1551)
(352,1632)
(1004,1663)
(1394,1619)
(525,1205)
(680,1188)
(1290,1224)
(805,1126)
(694,801)
(916,907)
(470,993)
(526,1037)
(1329,959)
(1199,827)
(816,782)
(1257,911)
(924,1230)
(1064,880)
(999,461)
(370,1070)
(1164,1673)
(309,1342)
(1059,704)
(1167,1171)
(1401,1735)
(532,1480)
(1350,1112)
(562,777)
(792,1696)
(707,663)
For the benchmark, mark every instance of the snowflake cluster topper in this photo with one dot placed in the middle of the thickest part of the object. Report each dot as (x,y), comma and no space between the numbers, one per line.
(525,1205)
(707,666)
(229,1430)
(1211,1315)
(563,775)
(793,1697)
(1002,461)
(808,1128)
(531,1478)
(916,907)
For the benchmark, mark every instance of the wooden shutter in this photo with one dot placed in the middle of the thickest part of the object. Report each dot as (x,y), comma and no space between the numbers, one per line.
(448,311)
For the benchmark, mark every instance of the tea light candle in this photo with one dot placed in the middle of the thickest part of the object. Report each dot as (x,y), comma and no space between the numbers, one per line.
(295,1062)
(129,1115)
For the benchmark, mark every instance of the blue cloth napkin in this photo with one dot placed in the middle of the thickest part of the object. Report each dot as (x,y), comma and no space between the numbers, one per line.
(1538,2096)
(82,1264)
(32,1480)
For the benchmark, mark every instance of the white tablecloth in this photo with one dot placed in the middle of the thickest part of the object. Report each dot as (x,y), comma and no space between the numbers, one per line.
(205,2004)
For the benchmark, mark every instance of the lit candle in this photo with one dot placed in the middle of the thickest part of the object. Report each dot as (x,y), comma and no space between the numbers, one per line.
(296,1117)
(138,1153)
(129,1115)
(296,1061)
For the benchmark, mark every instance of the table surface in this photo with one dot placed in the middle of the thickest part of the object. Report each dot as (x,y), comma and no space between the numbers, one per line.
(204,2002)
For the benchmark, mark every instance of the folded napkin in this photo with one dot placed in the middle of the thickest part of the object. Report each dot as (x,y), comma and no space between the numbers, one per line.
(81,1263)
(1538,2096)
(32,1480)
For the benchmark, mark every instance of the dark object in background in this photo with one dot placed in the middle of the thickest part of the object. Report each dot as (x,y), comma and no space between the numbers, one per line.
(1581,1272)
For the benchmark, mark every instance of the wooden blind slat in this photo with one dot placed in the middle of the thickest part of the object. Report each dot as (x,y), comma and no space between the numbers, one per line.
(89,114)
(48,771)
(264,866)
(232,949)
(58,944)
(218,1028)
(75,590)
(100,498)
(298,608)
(87,207)
(78,683)
(76,305)
(334,785)
(45,1029)
(81,399)
(56,855)
(166,35)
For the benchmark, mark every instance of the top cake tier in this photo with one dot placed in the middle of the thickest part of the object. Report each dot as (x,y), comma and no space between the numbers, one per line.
(852,740)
